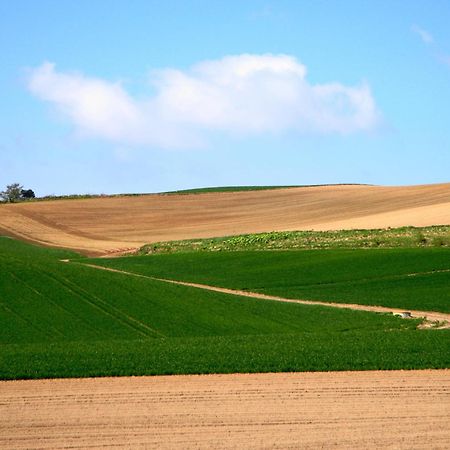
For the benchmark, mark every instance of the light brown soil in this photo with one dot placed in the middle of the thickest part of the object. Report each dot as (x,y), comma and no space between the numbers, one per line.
(107,225)
(397,410)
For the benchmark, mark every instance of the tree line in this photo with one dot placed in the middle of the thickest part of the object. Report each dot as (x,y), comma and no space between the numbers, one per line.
(15,193)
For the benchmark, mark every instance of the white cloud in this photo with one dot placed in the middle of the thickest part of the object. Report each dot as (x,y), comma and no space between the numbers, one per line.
(243,94)
(426,37)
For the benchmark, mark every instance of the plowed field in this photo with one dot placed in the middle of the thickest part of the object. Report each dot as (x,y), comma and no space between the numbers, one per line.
(112,224)
(395,409)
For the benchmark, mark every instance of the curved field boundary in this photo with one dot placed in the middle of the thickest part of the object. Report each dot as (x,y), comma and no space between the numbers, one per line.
(22,226)
(432,319)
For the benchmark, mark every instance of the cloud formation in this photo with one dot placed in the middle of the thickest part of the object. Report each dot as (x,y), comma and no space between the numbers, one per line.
(426,37)
(240,95)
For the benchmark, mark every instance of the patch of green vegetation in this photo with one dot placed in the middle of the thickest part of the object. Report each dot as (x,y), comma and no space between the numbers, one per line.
(434,236)
(370,350)
(410,278)
(64,319)
(45,300)
(207,190)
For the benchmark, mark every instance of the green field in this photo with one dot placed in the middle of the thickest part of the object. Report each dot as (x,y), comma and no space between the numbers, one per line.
(245,188)
(326,351)
(62,319)
(226,189)
(401,278)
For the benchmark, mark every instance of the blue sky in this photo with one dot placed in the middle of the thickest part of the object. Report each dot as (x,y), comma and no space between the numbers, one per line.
(146,96)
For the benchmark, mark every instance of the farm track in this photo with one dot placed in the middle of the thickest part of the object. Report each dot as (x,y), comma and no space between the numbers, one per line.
(433,319)
(351,410)
(112,225)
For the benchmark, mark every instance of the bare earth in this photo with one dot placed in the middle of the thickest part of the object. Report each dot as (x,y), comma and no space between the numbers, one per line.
(108,225)
(397,409)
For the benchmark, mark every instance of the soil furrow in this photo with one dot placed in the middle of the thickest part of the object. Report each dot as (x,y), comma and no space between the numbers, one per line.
(388,410)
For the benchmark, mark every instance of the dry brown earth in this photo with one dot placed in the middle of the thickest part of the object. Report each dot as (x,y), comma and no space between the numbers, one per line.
(103,225)
(396,410)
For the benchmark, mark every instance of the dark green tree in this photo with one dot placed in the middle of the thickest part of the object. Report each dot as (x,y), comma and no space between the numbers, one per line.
(27,194)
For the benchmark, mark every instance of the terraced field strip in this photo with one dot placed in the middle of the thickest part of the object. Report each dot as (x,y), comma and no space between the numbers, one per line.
(393,409)
(433,319)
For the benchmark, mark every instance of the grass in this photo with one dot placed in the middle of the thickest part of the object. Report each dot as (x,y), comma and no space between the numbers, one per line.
(371,350)
(407,237)
(372,277)
(45,300)
(206,190)
(64,319)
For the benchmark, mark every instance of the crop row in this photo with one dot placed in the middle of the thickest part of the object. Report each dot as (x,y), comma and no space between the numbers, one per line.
(372,350)
(410,278)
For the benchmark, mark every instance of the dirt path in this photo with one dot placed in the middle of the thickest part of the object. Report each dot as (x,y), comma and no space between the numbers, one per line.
(351,410)
(433,319)
(117,224)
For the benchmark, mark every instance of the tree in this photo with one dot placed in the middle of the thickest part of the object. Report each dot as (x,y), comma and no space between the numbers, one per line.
(12,193)
(27,193)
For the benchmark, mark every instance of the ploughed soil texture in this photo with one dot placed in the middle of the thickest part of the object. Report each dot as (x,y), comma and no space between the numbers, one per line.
(394,409)
(116,224)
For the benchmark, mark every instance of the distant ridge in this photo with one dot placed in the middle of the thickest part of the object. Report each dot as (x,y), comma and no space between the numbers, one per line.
(113,224)
(206,190)
(184,191)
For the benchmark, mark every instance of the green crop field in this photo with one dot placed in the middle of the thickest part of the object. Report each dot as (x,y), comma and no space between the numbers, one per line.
(402,278)
(225,189)
(61,319)
(242,188)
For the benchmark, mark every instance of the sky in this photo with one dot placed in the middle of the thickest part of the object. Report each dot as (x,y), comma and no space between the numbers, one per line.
(151,96)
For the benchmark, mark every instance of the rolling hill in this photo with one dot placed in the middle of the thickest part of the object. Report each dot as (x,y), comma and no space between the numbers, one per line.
(113,224)
(69,319)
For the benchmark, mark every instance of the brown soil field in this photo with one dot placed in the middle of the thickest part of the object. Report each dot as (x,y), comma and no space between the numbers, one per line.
(114,224)
(395,409)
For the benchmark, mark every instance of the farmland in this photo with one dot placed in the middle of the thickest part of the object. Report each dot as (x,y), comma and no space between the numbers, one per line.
(352,410)
(400,277)
(98,226)
(207,190)
(65,319)
(62,316)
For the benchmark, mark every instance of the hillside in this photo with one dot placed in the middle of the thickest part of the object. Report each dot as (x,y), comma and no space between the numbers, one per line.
(112,224)
(410,278)
(61,318)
